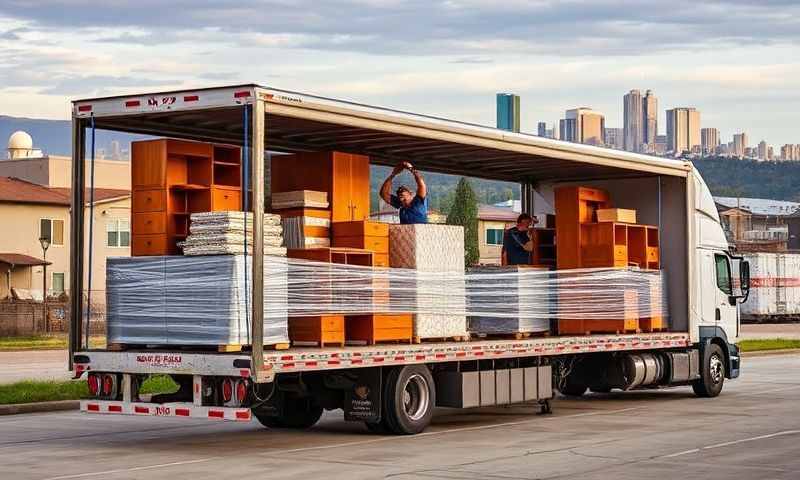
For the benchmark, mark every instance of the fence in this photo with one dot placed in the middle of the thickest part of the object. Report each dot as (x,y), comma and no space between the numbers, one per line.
(19,318)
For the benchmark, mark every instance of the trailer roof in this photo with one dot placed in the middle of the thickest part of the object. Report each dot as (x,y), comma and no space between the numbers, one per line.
(298,122)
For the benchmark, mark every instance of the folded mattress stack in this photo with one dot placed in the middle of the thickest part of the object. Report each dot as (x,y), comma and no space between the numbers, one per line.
(192,300)
(437,253)
(306,218)
(221,233)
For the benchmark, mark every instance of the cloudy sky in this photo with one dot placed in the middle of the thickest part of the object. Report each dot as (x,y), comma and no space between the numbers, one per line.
(738,62)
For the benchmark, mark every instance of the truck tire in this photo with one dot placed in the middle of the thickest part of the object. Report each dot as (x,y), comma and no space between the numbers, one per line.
(410,396)
(572,387)
(298,414)
(712,373)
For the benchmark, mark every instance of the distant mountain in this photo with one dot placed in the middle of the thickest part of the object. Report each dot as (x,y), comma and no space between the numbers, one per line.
(54,137)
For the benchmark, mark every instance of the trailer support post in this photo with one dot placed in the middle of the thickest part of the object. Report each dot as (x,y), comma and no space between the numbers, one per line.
(76,243)
(258,135)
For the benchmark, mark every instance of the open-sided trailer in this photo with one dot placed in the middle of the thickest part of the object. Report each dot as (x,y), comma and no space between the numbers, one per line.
(395,387)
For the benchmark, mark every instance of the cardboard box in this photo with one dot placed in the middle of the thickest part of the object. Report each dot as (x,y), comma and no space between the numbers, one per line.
(621,215)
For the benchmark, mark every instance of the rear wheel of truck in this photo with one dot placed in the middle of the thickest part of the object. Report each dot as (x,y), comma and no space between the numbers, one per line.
(409,398)
(712,373)
(297,413)
(572,387)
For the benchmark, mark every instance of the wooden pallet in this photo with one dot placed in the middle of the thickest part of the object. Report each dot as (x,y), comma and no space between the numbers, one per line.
(418,340)
(513,335)
(361,343)
(304,343)
(241,348)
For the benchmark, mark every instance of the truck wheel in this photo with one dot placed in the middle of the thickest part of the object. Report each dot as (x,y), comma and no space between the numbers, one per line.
(571,387)
(712,374)
(410,396)
(298,414)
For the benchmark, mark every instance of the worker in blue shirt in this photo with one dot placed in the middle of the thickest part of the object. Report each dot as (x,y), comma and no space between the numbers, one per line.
(517,243)
(413,208)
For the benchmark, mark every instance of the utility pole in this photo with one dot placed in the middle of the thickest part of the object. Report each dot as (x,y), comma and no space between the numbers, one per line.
(45,243)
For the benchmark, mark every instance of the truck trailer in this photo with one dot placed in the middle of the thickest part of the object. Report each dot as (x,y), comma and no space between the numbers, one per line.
(394,388)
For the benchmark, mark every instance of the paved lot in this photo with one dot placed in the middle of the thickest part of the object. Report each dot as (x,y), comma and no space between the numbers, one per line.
(752,431)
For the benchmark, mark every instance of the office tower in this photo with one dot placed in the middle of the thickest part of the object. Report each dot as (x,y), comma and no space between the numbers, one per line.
(762,150)
(615,138)
(541,129)
(508,112)
(556,134)
(633,115)
(583,125)
(683,130)
(709,140)
(660,147)
(739,144)
(649,121)
(770,153)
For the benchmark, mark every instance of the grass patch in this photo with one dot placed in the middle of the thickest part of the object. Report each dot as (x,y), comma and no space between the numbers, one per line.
(29,391)
(158,384)
(44,342)
(768,344)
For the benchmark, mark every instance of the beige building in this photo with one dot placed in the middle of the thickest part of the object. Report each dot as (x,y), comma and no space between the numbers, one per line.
(492,224)
(739,145)
(683,130)
(35,199)
(583,125)
(709,140)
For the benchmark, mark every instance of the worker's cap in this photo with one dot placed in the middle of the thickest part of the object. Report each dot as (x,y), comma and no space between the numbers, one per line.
(402,189)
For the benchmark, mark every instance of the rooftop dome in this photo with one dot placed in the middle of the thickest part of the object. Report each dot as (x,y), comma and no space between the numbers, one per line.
(20,140)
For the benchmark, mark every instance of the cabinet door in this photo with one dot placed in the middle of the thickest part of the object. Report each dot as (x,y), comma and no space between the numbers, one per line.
(148,164)
(359,187)
(340,194)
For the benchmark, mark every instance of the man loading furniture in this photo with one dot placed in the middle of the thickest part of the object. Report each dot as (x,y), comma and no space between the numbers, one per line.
(412,208)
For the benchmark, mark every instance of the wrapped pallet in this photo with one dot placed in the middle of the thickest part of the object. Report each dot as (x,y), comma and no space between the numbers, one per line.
(509,299)
(192,300)
(437,253)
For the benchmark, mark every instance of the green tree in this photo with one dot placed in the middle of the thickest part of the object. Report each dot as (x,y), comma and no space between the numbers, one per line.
(464,212)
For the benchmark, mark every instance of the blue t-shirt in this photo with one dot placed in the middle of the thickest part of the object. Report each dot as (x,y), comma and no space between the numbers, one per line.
(417,212)
(513,242)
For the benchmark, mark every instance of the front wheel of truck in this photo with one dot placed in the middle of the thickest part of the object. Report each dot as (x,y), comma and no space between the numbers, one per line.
(712,373)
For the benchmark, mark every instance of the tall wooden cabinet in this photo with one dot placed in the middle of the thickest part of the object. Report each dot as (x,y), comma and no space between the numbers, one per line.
(574,206)
(344,176)
(171,179)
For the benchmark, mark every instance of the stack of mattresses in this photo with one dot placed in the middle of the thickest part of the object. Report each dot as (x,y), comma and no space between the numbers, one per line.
(192,300)
(220,233)
(305,216)
(437,253)
(509,299)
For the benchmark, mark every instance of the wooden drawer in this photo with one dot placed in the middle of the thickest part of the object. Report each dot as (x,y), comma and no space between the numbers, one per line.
(360,229)
(375,244)
(149,200)
(320,330)
(621,254)
(374,328)
(149,223)
(380,260)
(226,200)
(652,254)
(143,245)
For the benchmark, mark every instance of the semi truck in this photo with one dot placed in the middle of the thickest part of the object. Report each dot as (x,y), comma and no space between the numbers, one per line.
(394,388)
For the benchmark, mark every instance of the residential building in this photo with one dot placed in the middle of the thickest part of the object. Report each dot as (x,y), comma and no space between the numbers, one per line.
(633,116)
(583,125)
(35,197)
(683,130)
(739,145)
(541,129)
(615,138)
(756,223)
(709,140)
(649,121)
(492,224)
(508,112)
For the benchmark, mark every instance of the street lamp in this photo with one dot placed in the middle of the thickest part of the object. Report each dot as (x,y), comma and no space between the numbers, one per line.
(45,243)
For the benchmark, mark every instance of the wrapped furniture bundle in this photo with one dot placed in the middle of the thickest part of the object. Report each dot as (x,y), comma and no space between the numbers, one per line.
(218,233)
(192,300)
(437,252)
(509,299)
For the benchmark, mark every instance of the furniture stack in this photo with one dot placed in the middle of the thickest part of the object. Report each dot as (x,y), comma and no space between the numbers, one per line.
(592,234)
(223,233)
(306,218)
(437,253)
(364,234)
(171,179)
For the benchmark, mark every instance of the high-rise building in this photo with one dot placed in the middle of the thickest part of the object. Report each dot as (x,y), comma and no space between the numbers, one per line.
(770,153)
(615,138)
(739,145)
(762,150)
(683,130)
(555,133)
(633,115)
(649,121)
(583,125)
(790,152)
(541,129)
(508,112)
(660,147)
(709,140)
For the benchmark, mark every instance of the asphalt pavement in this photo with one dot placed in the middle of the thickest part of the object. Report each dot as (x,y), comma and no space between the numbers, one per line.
(752,431)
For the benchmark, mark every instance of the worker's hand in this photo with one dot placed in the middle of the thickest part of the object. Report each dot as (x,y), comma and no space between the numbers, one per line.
(398,168)
(408,166)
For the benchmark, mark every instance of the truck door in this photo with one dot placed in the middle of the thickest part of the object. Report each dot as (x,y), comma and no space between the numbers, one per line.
(725,305)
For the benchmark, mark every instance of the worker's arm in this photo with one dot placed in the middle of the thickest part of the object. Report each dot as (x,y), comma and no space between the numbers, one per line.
(422,189)
(386,188)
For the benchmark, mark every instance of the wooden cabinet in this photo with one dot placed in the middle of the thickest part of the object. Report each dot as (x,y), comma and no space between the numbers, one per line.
(318,330)
(604,245)
(374,328)
(344,176)
(171,179)
(574,206)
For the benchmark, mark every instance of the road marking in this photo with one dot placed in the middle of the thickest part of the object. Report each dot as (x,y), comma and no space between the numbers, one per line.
(132,469)
(733,442)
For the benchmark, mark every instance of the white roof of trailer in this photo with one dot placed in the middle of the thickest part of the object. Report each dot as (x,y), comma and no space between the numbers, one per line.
(302,122)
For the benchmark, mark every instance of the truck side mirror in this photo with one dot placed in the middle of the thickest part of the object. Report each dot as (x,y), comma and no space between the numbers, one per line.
(744,277)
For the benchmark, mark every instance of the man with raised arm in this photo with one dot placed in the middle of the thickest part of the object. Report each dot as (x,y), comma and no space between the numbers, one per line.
(413,208)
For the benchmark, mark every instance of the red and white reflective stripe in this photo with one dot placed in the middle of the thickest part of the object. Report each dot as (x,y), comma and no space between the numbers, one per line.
(133,104)
(773,282)
(190,98)
(243,94)
(84,108)
(182,409)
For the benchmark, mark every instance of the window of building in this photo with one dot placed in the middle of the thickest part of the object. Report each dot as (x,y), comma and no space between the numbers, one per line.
(57,283)
(723,273)
(53,230)
(494,236)
(119,233)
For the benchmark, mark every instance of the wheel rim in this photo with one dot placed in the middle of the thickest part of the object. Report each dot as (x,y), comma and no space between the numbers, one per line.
(716,368)
(416,397)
